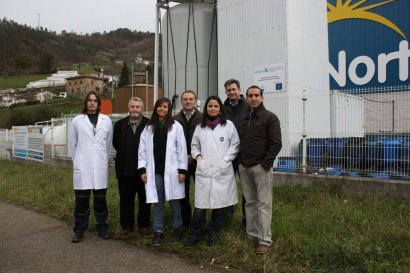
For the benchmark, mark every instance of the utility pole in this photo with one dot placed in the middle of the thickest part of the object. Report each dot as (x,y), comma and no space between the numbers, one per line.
(146,89)
(132,78)
(156,54)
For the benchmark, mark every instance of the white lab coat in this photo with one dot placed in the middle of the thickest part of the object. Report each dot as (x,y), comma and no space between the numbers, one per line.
(90,152)
(175,158)
(215,183)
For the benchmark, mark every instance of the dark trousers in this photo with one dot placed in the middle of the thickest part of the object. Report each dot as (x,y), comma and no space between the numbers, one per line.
(186,208)
(128,187)
(214,227)
(82,210)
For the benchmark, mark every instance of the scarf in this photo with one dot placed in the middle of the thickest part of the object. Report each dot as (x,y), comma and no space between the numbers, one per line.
(213,123)
(161,124)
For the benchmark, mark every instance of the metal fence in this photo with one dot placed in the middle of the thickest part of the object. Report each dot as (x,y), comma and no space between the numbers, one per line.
(368,133)
(5,143)
(380,148)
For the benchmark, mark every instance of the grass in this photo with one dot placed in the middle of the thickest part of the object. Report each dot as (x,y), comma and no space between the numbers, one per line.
(60,105)
(20,81)
(315,229)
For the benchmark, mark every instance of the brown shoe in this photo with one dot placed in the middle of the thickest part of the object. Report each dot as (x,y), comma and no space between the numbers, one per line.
(143,231)
(125,231)
(262,249)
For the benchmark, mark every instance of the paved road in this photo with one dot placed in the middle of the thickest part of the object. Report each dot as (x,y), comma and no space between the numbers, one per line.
(32,242)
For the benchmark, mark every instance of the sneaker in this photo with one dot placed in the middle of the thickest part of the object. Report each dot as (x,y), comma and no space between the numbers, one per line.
(177,236)
(191,242)
(104,235)
(77,237)
(158,237)
(262,249)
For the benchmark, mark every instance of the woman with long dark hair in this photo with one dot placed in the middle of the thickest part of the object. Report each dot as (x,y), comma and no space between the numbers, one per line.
(214,145)
(163,162)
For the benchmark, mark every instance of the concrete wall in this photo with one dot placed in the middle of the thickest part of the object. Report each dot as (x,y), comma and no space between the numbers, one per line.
(359,186)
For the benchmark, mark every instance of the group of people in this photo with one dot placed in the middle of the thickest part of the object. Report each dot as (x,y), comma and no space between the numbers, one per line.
(157,158)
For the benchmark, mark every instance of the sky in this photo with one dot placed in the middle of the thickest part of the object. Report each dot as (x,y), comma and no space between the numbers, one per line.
(81,16)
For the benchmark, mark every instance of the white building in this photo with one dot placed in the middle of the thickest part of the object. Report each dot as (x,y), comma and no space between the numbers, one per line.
(58,79)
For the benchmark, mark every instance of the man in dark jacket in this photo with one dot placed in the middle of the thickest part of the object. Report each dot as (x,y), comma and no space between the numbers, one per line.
(189,117)
(235,107)
(261,142)
(126,138)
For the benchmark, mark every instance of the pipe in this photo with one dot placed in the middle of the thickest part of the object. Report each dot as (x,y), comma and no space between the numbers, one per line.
(156,53)
(304,149)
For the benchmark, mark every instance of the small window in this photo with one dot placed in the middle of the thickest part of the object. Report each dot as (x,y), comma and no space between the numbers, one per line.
(81,82)
(92,83)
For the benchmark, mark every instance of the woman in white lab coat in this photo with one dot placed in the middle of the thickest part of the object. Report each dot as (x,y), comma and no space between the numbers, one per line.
(215,144)
(163,162)
(90,138)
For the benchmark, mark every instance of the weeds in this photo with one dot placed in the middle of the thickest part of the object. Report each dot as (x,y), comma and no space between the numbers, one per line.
(314,229)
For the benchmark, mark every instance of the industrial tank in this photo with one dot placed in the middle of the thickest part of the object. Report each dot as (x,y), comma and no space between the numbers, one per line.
(189,51)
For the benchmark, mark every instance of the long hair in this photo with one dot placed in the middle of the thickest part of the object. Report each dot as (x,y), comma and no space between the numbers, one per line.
(87,97)
(154,121)
(206,115)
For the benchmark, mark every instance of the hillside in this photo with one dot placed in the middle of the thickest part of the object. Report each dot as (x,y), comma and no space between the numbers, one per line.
(25,50)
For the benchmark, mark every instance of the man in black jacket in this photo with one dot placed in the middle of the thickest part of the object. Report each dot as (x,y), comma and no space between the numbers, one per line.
(261,142)
(126,138)
(235,107)
(189,117)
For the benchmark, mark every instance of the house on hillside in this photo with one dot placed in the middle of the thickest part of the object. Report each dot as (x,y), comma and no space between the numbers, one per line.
(82,84)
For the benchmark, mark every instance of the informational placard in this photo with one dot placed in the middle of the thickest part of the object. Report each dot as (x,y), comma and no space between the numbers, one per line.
(270,78)
(19,144)
(35,143)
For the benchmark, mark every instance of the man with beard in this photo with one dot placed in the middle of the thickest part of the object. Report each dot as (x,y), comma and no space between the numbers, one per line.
(126,138)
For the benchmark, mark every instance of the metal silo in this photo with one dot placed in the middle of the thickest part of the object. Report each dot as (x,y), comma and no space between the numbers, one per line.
(189,51)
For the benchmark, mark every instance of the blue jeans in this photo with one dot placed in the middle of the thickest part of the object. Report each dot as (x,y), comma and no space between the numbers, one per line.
(82,210)
(158,225)
(214,227)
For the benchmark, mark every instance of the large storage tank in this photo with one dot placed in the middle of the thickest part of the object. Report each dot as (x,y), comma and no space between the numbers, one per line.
(189,51)
(281,43)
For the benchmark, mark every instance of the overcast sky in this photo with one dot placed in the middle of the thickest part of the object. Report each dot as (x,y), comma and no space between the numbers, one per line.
(81,16)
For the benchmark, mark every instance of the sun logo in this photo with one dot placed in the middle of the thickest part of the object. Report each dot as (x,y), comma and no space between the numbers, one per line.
(343,11)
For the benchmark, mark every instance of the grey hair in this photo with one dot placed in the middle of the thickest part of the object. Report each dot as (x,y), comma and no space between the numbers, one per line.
(136,99)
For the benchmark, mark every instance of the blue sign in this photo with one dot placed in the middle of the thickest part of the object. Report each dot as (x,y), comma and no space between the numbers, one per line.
(368,43)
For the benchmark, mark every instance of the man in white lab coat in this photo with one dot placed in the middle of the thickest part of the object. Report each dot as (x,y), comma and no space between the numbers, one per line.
(90,140)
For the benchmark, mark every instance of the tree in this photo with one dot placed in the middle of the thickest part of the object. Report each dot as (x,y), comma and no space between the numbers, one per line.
(23,62)
(46,63)
(124,76)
